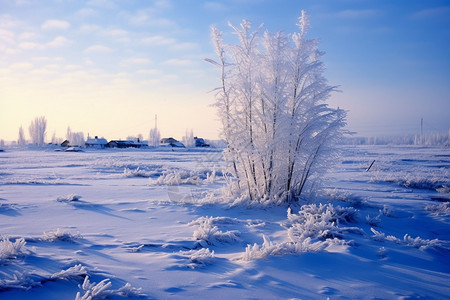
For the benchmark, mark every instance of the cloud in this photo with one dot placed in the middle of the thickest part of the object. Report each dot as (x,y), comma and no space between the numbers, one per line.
(146,18)
(28,35)
(89,28)
(215,6)
(157,40)
(358,13)
(55,24)
(163,4)
(115,32)
(58,41)
(48,59)
(7,21)
(6,36)
(97,49)
(22,66)
(118,35)
(102,4)
(184,46)
(22,2)
(135,61)
(148,72)
(86,12)
(178,62)
(436,12)
(28,45)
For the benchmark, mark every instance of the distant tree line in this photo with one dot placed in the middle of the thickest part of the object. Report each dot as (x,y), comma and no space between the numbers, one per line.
(426,139)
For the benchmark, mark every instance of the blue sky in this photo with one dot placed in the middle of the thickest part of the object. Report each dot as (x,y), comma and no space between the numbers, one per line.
(106,67)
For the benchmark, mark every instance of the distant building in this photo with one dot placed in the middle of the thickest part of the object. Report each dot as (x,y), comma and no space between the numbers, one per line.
(199,142)
(96,143)
(171,142)
(127,144)
(65,144)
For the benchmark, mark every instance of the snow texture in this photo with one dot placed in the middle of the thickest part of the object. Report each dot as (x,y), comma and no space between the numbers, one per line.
(136,237)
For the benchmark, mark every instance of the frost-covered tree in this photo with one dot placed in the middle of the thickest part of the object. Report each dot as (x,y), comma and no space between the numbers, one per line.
(38,130)
(154,137)
(56,140)
(21,140)
(75,138)
(279,132)
(188,138)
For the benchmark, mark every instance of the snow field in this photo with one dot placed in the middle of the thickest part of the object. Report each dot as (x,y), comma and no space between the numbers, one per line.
(76,226)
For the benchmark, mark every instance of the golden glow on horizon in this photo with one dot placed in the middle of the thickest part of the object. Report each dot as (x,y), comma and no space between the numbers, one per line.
(114,107)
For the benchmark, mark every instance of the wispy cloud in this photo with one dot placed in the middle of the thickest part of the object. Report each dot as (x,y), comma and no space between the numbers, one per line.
(148,72)
(436,12)
(7,21)
(359,13)
(6,36)
(135,61)
(55,24)
(118,35)
(184,46)
(215,6)
(90,28)
(28,45)
(178,62)
(147,18)
(163,4)
(157,40)
(22,66)
(86,12)
(59,41)
(102,4)
(47,59)
(97,49)
(28,35)
(115,32)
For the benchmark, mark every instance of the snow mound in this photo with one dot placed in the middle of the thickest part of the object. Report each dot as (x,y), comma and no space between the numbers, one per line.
(101,290)
(60,235)
(407,240)
(199,258)
(68,198)
(18,281)
(129,173)
(268,248)
(215,221)
(11,250)
(313,229)
(192,177)
(442,209)
(208,233)
(77,273)
(177,177)
(418,179)
(326,212)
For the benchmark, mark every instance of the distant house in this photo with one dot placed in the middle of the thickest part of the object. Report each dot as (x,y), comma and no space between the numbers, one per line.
(121,144)
(96,143)
(199,142)
(65,144)
(126,144)
(171,142)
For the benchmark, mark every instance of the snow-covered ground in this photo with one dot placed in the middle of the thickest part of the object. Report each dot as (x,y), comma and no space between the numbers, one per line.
(152,224)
